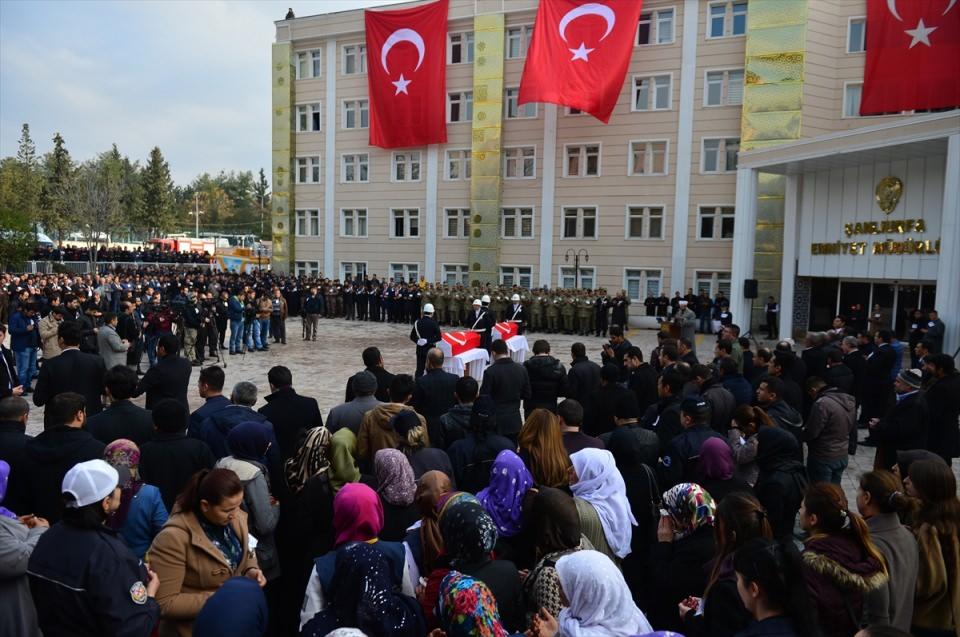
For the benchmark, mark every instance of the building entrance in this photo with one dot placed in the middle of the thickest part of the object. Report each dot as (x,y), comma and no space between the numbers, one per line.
(868,305)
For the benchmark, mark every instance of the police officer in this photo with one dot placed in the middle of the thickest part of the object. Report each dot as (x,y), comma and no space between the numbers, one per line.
(480,320)
(679,463)
(426,334)
(516,314)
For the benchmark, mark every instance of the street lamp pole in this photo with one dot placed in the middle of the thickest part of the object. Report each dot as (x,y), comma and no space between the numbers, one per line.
(576,254)
(196,214)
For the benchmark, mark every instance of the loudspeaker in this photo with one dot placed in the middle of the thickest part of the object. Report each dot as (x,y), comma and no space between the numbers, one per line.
(749,288)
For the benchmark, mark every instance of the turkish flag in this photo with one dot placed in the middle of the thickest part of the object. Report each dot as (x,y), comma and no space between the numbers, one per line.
(406,74)
(913,56)
(580,53)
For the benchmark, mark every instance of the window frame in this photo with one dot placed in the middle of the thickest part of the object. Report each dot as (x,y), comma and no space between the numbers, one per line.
(463,222)
(409,164)
(724,86)
(311,111)
(305,270)
(580,218)
(666,158)
(583,158)
(520,108)
(862,19)
(353,275)
(522,160)
(526,35)
(464,161)
(461,277)
(715,279)
(655,27)
(721,151)
(360,55)
(468,47)
(312,56)
(308,218)
(518,224)
(515,274)
(643,281)
(463,101)
(577,284)
(406,271)
(645,234)
(359,113)
(343,168)
(718,218)
(728,19)
(356,218)
(391,219)
(843,112)
(650,76)
(312,167)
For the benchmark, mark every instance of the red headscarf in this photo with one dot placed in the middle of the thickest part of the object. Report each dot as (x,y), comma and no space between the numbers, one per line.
(357,514)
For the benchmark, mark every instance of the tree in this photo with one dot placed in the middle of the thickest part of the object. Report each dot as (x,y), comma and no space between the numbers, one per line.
(29,181)
(262,193)
(17,238)
(58,172)
(95,199)
(158,212)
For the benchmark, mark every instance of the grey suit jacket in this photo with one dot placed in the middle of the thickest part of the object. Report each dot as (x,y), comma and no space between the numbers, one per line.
(113,351)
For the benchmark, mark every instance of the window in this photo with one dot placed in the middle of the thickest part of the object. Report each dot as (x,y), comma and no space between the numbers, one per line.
(582,161)
(307,268)
(516,275)
(719,155)
(308,170)
(656,27)
(641,284)
(459,107)
(856,35)
(651,93)
(568,278)
(727,19)
(356,270)
(455,273)
(648,158)
(518,40)
(516,223)
(308,64)
(723,88)
(573,111)
(457,165)
(520,162)
(460,48)
(406,166)
(355,168)
(308,223)
(456,223)
(645,222)
(579,223)
(405,272)
(356,113)
(712,282)
(353,222)
(716,222)
(354,59)
(405,223)
(308,118)
(851,99)
(512,107)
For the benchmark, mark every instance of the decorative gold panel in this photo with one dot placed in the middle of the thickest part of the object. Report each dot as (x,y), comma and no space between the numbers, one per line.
(281,199)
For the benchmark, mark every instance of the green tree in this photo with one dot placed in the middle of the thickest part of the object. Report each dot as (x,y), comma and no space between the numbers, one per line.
(131,198)
(17,237)
(58,170)
(261,191)
(30,180)
(158,212)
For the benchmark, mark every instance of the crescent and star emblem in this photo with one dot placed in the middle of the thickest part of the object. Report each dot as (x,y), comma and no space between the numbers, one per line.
(920,34)
(398,36)
(591,8)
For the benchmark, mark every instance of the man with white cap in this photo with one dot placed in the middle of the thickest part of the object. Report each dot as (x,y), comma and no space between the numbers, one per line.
(517,314)
(481,321)
(426,334)
(687,320)
(84,579)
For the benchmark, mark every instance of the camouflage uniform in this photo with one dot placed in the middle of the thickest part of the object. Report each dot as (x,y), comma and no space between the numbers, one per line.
(568,310)
(584,313)
(441,303)
(535,311)
(551,305)
(457,297)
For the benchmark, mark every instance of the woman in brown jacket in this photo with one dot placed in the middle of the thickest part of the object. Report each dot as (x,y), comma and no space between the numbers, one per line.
(203,544)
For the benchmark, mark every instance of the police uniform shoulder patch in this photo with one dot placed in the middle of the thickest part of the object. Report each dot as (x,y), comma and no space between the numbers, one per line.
(138,593)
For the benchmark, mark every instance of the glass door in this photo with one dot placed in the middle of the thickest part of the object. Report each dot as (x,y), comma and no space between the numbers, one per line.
(823,303)
(908,300)
(855,303)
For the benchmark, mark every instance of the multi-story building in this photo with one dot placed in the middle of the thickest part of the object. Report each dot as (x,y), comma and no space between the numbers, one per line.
(653,201)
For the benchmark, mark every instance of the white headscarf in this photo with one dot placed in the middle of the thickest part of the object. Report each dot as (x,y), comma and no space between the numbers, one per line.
(600,602)
(599,482)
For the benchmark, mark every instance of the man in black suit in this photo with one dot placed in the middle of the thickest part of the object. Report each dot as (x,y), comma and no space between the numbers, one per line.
(433,396)
(169,378)
(373,363)
(290,413)
(122,419)
(14,412)
(71,371)
(426,334)
(507,382)
(877,387)
(815,356)
(9,380)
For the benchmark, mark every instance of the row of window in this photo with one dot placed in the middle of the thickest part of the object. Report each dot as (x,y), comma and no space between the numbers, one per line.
(853,93)
(646,158)
(517,222)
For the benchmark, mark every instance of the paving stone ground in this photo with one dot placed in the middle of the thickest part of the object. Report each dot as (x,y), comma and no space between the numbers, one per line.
(321,369)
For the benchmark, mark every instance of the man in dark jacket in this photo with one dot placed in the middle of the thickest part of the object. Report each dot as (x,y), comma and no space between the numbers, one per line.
(506,381)
(210,386)
(904,426)
(169,378)
(9,379)
(734,382)
(14,413)
(434,395)
(71,371)
(679,463)
(547,379)
(456,422)
(570,414)
(373,363)
(641,378)
(63,443)
(663,418)
(876,380)
(827,431)
(426,334)
(168,461)
(770,399)
(943,402)
(815,355)
(583,381)
(607,398)
(856,363)
(122,419)
(616,349)
(472,456)
(837,374)
(290,413)
(722,402)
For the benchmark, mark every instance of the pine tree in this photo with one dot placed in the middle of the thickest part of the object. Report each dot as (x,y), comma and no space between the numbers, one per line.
(158,212)
(29,180)
(261,191)
(58,172)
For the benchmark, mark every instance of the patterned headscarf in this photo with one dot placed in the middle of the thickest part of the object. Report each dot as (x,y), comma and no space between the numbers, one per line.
(503,499)
(469,533)
(310,459)
(124,456)
(394,477)
(357,514)
(466,608)
(690,508)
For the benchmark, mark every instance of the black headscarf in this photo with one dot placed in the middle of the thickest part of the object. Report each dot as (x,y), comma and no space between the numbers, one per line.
(556,523)
(469,533)
(632,445)
(776,449)
(483,417)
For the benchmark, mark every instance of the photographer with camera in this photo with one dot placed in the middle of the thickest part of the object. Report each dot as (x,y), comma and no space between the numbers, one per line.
(157,322)
(251,326)
(191,329)
(208,336)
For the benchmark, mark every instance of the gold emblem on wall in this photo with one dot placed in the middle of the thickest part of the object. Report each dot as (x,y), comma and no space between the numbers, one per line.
(888,193)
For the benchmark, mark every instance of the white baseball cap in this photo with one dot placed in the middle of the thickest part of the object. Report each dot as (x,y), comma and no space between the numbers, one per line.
(485,298)
(515,297)
(428,308)
(89,482)
(476,302)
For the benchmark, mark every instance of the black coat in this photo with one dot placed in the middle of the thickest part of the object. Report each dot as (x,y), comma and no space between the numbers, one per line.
(384,378)
(428,329)
(815,358)
(857,365)
(877,383)
(48,458)
(643,382)
(902,428)
(169,378)
(841,377)
(8,373)
(122,419)
(607,399)
(678,572)
(433,396)
(168,461)
(507,382)
(291,415)
(547,381)
(583,383)
(943,402)
(782,479)
(484,322)
(72,371)
(13,443)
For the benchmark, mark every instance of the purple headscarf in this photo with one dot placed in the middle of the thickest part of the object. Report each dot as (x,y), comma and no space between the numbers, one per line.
(716,459)
(503,499)
(4,478)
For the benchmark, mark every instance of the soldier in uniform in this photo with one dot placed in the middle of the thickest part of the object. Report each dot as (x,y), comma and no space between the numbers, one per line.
(584,312)
(456,305)
(441,301)
(536,311)
(497,305)
(551,311)
(568,311)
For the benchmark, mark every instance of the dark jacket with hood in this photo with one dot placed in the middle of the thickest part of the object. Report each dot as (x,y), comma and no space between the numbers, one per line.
(48,458)
(473,455)
(740,388)
(547,380)
(833,416)
(663,419)
(456,423)
(215,429)
(841,377)
(782,479)
(788,419)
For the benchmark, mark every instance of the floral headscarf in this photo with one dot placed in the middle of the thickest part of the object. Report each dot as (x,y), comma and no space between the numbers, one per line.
(503,499)
(124,456)
(394,477)
(690,507)
(469,533)
(466,608)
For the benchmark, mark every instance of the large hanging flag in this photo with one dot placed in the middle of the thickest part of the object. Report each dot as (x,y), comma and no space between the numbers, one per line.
(580,53)
(913,56)
(406,74)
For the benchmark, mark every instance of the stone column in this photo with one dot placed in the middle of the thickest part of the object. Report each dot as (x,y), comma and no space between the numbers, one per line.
(948,263)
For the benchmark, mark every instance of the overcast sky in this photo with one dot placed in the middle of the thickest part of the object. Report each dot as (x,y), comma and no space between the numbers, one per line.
(190,77)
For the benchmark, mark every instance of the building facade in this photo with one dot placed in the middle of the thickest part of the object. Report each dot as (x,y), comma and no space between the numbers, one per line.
(653,201)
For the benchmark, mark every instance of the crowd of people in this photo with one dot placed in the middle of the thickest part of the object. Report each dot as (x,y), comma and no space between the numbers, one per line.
(118,254)
(680,490)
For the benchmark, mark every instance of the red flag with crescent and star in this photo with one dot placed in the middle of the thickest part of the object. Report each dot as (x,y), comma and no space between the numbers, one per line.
(580,53)
(913,56)
(406,74)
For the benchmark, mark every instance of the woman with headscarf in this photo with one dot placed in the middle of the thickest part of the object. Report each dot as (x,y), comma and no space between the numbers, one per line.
(716,470)
(467,608)
(685,544)
(397,488)
(357,518)
(141,514)
(600,602)
(426,541)
(601,498)
(415,446)
(782,478)
(343,464)
(469,536)
(18,537)
(472,456)
(507,499)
